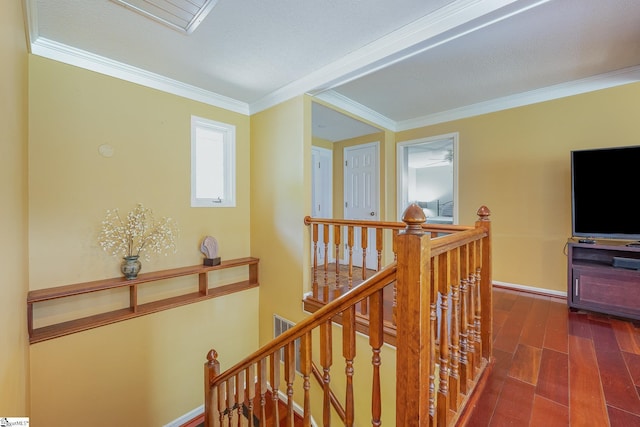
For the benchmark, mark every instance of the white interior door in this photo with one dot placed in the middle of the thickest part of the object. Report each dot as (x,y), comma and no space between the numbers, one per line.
(361,195)
(321,191)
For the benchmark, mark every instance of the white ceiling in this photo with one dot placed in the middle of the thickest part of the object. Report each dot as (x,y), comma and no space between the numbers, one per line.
(399,64)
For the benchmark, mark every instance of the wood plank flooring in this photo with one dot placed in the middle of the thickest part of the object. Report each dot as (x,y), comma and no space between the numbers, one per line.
(554,367)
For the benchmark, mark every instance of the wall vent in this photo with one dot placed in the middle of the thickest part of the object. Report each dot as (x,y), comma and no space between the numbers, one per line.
(280,326)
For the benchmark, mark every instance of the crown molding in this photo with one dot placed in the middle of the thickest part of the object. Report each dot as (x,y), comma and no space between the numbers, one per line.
(576,87)
(83,59)
(422,34)
(338,100)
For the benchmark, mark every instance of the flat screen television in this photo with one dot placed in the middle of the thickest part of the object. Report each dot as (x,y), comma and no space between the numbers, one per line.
(605,185)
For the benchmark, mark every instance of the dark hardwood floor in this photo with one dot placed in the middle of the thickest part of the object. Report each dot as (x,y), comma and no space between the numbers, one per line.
(554,367)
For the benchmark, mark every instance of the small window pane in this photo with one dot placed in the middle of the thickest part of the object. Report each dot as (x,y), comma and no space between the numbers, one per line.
(212,163)
(209,164)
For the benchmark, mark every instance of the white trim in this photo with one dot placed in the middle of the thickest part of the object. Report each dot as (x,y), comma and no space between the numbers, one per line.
(228,133)
(29,8)
(414,38)
(577,87)
(543,291)
(186,417)
(100,64)
(450,21)
(342,102)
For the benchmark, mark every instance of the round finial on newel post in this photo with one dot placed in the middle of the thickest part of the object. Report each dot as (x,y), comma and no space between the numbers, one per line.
(212,356)
(414,217)
(483,213)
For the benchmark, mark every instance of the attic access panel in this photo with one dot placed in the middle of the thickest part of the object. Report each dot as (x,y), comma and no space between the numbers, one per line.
(181,15)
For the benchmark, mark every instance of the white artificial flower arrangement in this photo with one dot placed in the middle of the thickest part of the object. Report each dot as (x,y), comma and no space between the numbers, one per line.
(137,234)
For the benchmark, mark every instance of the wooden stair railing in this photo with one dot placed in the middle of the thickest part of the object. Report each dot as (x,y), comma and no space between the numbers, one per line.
(219,396)
(443,329)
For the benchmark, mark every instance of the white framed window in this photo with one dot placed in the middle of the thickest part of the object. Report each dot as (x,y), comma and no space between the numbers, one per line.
(213,163)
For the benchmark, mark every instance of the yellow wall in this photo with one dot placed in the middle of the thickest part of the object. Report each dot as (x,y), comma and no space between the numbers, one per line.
(280,198)
(142,372)
(517,163)
(322,143)
(146,371)
(14,361)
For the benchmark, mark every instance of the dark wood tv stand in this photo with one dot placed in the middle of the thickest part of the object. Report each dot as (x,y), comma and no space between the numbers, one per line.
(595,284)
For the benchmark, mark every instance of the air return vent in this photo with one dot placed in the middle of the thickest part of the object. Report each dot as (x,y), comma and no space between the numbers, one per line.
(181,15)
(281,326)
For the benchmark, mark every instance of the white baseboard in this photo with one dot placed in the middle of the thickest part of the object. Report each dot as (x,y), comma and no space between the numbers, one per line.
(186,417)
(531,289)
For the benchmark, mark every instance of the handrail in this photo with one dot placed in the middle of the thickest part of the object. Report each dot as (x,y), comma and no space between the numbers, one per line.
(443,228)
(376,282)
(441,282)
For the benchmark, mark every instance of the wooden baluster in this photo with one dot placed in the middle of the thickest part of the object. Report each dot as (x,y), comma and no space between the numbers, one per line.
(376,340)
(326,229)
(486,283)
(443,391)
(350,247)
(433,328)
(434,356)
(465,373)
(222,402)
(337,242)
(471,346)
(454,280)
(275,385)
(478,315)
(289,376)
(240,396)
(262,383)
(326,359)
(251,392)
(349,353)
(314,286)
(394,304)
(211,370)
(305,368)
(441,282)
(364,243)
(379,246)
(475,266)
(231,400)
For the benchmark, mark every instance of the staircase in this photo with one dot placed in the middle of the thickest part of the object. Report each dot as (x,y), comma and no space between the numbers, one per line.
(441,317)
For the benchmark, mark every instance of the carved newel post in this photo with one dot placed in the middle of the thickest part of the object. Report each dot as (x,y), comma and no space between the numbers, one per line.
(413,321)
(211,371)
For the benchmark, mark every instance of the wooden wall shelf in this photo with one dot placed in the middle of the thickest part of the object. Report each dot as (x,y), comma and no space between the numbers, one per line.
(135,310)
